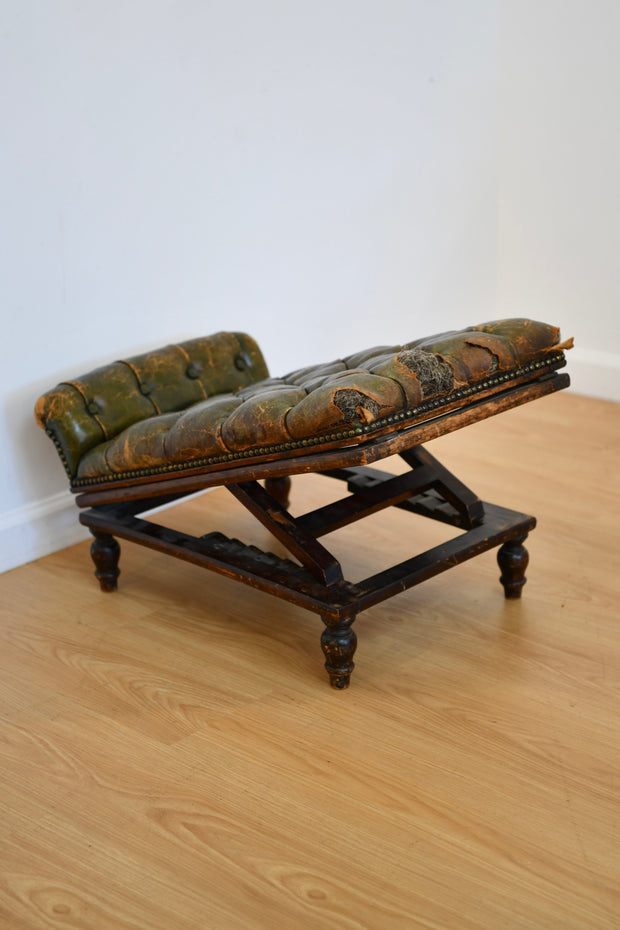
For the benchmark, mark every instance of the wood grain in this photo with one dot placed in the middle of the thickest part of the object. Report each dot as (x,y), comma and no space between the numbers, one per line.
(172,758)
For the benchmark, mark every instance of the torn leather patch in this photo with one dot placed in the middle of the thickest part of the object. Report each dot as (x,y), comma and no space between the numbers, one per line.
(432,371)
(356,406)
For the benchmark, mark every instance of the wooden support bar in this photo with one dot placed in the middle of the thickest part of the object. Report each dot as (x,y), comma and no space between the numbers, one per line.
(499,526)
(390,491)
(232,558)
(438,495)
(464,501)
(288,531)
(285,579)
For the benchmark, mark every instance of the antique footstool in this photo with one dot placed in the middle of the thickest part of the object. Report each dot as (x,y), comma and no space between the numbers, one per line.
(148,430)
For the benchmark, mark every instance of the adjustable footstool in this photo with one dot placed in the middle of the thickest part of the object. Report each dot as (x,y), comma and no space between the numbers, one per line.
(148,430)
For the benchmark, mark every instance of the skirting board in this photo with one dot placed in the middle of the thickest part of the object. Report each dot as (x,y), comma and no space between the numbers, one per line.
(35,530)
(595,373)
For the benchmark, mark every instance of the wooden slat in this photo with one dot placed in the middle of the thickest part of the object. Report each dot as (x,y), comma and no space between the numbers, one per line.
(390,491)
(499,526)
(303,545)
(462,498)
(231,558)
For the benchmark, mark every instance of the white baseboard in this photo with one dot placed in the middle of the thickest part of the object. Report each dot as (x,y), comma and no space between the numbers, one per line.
(595,373)
(35,530)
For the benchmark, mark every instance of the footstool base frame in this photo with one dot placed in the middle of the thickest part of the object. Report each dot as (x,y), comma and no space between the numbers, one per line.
(315,580)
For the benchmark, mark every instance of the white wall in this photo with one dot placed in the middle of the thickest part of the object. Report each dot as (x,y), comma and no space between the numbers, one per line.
(559,193)
(325,174)
(320,173)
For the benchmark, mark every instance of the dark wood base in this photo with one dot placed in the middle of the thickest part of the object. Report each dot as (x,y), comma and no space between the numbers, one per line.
(314,579)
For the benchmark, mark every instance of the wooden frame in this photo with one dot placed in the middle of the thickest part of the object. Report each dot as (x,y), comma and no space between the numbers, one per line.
(315,580)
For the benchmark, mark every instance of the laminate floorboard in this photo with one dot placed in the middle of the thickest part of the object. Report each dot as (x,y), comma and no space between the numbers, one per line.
(172,757)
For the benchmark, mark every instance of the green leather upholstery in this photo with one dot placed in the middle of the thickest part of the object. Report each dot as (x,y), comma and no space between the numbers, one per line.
(211,401)
(81,414)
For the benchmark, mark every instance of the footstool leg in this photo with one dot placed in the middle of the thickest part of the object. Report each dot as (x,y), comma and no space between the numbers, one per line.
(105,552)
(512,559)
(338,642)
(280,489)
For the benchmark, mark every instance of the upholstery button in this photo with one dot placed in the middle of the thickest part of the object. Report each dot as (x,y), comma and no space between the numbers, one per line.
(193,370)
(93,408)
(242,361)
(145,389)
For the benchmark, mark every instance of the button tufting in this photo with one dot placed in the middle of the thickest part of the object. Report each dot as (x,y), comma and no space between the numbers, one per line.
(295,412)
(242,361)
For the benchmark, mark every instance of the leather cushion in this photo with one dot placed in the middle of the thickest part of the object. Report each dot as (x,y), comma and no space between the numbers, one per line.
(338,401)
(91,410)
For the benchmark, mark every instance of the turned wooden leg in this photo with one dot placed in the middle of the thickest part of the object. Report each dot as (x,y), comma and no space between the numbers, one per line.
(512,558)
(105,552)
(338,642)
(280,488)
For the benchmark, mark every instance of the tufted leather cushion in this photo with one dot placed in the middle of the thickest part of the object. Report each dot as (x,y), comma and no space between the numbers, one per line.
(211,401)
(81,414)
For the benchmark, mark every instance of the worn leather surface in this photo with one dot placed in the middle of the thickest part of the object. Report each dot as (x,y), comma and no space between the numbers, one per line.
(92,409)
(211,400)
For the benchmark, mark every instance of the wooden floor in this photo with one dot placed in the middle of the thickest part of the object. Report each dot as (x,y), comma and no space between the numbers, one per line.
(173,757)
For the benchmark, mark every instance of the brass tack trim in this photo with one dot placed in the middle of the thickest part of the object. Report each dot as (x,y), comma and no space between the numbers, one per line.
(361,430)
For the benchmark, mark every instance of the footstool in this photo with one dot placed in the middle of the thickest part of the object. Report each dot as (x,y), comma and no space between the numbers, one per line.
(148,430)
